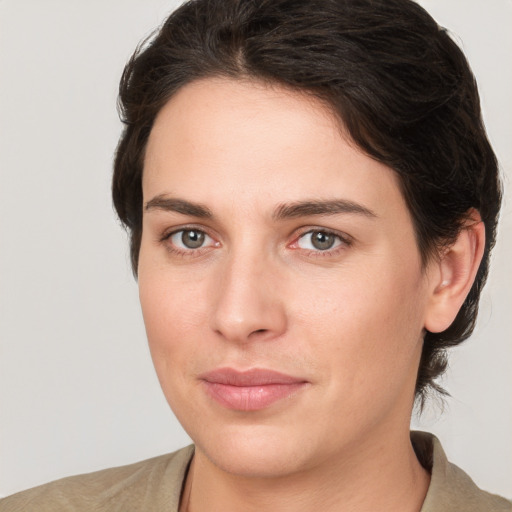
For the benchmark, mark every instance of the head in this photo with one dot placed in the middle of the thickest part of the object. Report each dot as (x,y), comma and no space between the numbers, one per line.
(393,83)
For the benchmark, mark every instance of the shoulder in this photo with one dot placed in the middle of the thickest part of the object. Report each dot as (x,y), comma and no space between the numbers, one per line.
(151,484)
(451,489)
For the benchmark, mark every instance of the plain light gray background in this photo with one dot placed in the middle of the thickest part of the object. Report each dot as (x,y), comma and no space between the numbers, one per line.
(77,388)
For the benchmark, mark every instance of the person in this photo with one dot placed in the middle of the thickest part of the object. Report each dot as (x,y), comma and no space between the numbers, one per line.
(312,201)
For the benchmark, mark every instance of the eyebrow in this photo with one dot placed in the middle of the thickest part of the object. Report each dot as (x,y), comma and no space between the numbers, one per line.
(170,204)
(283,211)
(330,207)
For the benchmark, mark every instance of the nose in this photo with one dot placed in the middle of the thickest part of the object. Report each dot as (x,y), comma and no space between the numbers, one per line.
(248,301)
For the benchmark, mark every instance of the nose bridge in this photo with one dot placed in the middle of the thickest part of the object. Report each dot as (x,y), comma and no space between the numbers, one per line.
(248,304)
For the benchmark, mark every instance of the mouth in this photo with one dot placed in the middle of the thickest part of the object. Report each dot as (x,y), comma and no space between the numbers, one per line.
(250,390)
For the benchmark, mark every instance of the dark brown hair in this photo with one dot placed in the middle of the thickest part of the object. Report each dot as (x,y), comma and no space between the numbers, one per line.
(400,85)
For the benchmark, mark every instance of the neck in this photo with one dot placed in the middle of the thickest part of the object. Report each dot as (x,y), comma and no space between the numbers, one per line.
(384,476)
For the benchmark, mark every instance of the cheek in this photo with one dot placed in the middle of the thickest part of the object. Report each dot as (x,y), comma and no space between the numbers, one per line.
(365,331)
(174,315)
(172,321)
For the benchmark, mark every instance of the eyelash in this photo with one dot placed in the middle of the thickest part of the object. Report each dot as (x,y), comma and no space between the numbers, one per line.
(345,240)
(185,252)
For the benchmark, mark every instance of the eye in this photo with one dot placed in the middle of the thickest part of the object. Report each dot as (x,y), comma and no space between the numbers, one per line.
(190,239)
(319,240)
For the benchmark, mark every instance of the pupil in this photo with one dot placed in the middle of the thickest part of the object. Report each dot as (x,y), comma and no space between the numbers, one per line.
(322,241)
(192,239)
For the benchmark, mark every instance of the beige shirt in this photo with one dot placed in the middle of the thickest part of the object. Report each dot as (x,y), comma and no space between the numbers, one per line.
(155,485)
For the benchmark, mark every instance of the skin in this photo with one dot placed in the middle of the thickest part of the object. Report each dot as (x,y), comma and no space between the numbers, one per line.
(258,294)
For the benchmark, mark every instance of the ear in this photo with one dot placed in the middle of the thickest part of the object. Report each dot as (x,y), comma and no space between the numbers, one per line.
(453,274)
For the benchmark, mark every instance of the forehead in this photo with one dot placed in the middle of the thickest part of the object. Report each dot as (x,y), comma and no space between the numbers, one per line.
(221,140)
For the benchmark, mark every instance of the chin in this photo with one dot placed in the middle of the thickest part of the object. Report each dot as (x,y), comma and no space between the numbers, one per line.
(256,451)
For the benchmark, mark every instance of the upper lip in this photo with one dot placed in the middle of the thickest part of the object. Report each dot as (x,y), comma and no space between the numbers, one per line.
(247,378)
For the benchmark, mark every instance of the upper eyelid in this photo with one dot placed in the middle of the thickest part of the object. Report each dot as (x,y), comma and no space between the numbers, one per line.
(167,233)
(311,229)
(165,240)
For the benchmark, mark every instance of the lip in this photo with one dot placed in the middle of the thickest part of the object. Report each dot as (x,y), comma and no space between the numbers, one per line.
(250,390)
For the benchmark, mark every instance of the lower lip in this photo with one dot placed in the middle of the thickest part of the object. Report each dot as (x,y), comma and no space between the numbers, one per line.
(251,398)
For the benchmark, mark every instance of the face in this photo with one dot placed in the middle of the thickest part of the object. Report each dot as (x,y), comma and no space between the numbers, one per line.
(280,281)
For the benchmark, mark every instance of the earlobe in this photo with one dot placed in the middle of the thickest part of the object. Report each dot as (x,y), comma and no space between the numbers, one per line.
(455,273)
